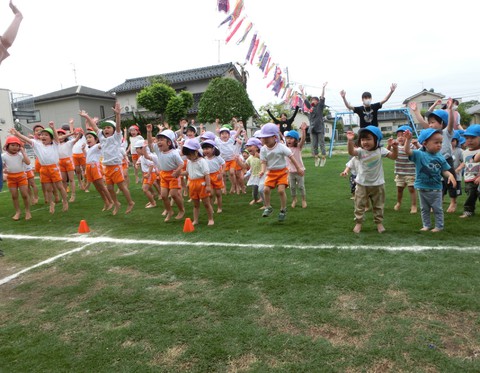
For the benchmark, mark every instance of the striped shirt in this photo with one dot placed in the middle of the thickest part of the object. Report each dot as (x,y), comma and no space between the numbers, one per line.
(403,166)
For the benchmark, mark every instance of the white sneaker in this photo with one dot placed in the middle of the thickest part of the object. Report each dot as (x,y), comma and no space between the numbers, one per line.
(317,161)
(323,161)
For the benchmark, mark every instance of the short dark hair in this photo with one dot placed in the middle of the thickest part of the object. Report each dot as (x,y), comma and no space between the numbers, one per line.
(366,95)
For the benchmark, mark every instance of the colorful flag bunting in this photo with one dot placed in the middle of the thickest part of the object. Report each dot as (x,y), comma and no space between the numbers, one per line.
(250,49)
(247,30)
(234,30)
(223,6)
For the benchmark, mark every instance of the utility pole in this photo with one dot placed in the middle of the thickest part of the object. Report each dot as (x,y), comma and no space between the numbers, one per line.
(218,49)
(74,73)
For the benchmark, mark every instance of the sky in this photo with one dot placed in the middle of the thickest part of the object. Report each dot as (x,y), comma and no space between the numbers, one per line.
(353,45)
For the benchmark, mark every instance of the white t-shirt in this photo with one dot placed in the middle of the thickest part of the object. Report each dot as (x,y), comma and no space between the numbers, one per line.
(227,148)
(93,154)
(215,163)
(168,161)
(46,154)
(198,168)
(65,149)
(276,157)
(13,163)
(111,148)
(133,141)
(146,163)
(370,166)
(77,147)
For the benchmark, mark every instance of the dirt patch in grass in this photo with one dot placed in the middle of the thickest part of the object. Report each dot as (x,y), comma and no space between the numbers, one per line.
(336,336)
(169,357)
(242,363)
(166,287)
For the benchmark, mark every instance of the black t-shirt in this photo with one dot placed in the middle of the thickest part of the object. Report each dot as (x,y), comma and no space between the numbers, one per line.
(368,116)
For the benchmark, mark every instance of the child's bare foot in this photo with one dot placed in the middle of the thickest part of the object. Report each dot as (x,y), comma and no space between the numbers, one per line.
(164,212)
(195,222)
(424,229)
(452,208)
(150,205)
(130,207)
(357,228)
(65,206)
(190,200)
(435,230)
(107,206)
(52,207)
(294,203)
(252,202)
(262,208)
(304,204)
(180,215)
(211,222)
(72,198)
(397,206)
(87,191)
(16,216)
(34,201)
(380,228)
(219,211)
(116,207)
(413,210)
(169,215)
(28,215)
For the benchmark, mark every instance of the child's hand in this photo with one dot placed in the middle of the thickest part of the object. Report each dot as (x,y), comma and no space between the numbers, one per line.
(452,180)
(325,84)
(117,108)
(71,121)
(303,126)
(300,172)
(393,87)
(477,180)
(350,135)
(149,127)
(413,105)
(95,120)
(343,93)
(392,143)
(83,113)
(344,173)
(450,104)
(84,146)
(438,102)
(12,131)
(51,124)
(408,135)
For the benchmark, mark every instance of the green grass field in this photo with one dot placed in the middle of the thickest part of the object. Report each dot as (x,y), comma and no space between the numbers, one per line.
(249,294)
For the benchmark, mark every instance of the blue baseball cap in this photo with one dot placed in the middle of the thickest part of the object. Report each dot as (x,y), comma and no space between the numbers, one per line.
(472,130)
(293,134)
(442,115)
(426,134)
(404,128)
(374,131)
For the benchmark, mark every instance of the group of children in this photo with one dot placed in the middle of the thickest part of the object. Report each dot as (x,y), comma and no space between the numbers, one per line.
(164,161)
(432,166)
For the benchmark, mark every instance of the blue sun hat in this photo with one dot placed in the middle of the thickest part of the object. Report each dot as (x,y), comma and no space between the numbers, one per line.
(472,130)
(442,115)
(374,131)
(293,134)
(426,134)
(404,128)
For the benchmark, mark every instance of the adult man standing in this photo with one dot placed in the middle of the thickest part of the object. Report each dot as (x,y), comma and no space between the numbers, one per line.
(317,126)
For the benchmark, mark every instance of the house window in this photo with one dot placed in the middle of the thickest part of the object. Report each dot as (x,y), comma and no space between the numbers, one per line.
(426,105)
(37,118)
(102,111)
(386,129)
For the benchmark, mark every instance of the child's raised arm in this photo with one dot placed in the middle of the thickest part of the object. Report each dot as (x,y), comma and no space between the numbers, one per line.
(413,107)
(24,138)
(451,115)
(303,128)
(408,138)
(118,118)
(393,147)
(344,97)
(89,120)
(149,136)
(350,144)
(26,160)
(51,124)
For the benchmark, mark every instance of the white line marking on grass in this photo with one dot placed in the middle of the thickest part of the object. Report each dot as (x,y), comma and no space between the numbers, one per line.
(49,260)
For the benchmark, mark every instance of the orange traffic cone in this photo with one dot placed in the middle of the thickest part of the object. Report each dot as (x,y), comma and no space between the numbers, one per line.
(188,226)
(83,227)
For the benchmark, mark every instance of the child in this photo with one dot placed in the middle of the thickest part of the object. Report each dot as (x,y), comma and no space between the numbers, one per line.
(32,186)
(295,144)
(46,149)
(134,136)
(368,112)
(13,161)
(370,178)
(216,165)
(65,154)
(148,167)
(472,169)
(273,156)
(255,166)
(170,164)
(111,142)
(79,160)
(404,172)
(198,179)
(440,120)
(430,165)
(351,168)
(93,168)
(226,145)
(458,160)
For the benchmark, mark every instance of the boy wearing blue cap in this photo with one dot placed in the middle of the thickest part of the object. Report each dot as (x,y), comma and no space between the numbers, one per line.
(471,164)
(370,178)
(295,181)
(430,166)
(404,171)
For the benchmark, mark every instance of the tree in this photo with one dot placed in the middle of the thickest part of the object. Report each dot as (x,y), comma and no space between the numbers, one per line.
(155,97)
(224,98)
(466,118)
(177,107)
(275,108)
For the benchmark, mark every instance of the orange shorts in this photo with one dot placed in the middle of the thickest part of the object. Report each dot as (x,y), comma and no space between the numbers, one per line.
(50,173)
(38,166)
(230,164)
(135,159)
(216,180)
(196,188)
(93,172)
(113,174)
(168,181)
(277,177)
(184,168)
(30,174)
(149,180)
(17,180)
(66,165)
(79,159)
(124,164)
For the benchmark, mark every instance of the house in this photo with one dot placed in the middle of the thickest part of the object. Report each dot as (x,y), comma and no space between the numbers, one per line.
(474,111)
(424,99)
(194,81)
(60,106)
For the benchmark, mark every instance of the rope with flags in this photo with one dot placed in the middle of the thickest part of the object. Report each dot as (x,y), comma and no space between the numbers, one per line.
(258,51)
